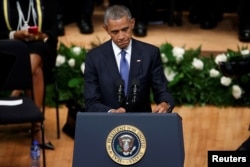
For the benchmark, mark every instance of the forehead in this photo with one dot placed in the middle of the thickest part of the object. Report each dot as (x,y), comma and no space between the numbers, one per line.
(116,24)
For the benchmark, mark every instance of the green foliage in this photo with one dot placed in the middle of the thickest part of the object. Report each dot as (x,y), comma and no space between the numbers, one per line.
(69,76)
(194,85)
(194,79)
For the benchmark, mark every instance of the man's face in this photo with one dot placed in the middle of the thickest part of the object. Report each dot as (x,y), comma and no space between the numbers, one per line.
(120,31)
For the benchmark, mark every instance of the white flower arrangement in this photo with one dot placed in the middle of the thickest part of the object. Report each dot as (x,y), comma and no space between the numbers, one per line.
(194,79)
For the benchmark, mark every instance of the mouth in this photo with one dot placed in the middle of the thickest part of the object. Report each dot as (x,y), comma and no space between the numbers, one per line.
(123,43)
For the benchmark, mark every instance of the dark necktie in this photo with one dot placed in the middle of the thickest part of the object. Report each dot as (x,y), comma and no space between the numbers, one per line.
(124,69)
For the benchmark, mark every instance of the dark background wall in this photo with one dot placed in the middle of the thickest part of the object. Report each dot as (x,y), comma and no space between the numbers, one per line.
(160,8)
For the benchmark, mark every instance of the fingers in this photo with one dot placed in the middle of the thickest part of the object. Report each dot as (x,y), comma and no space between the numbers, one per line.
(32,36)
(161,108)
(119,110)
(25,35)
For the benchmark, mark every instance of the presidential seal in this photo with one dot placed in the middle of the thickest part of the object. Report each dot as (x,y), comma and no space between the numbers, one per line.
(126,145)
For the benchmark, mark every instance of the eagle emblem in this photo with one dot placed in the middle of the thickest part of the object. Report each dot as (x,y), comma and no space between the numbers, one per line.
(126,144)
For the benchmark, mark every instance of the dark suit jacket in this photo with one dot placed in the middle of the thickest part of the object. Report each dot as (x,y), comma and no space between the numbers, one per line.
(101,76)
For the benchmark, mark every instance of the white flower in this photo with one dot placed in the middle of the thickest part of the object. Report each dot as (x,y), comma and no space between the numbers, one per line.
(71,62)
(83,67)
(76,50)
(60,59)
(164,58)
(214,73)
(169,73)
(197,64)
(220,58)
(178,53)
(226,81)
(245,52)
(236,91)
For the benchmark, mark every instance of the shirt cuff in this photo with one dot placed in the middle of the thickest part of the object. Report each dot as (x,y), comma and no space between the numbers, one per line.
(11,34)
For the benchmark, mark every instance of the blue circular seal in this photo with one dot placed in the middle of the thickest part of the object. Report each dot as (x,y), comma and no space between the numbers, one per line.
(126,145)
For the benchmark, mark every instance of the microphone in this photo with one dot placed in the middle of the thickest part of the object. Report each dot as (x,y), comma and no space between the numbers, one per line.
(135,85)
(120,91)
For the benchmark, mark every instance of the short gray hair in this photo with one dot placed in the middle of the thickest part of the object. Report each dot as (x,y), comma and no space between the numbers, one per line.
(115,12)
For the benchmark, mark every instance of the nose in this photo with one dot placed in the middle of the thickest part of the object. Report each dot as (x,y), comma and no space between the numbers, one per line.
(121,35)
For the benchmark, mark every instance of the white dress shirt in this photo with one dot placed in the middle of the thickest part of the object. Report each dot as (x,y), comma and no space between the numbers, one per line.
(117,52)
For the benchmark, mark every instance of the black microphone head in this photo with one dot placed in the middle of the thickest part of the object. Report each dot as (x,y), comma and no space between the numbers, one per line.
(135,84)
(120,91)
(120,82)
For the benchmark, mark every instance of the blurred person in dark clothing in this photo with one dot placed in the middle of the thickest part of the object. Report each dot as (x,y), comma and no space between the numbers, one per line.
(209,13)
(244,21)
(80,11)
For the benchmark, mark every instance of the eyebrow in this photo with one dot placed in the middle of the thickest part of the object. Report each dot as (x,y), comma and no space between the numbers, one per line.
(125,28)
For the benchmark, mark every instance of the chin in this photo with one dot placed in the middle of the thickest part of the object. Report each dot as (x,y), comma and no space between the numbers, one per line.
(124,45)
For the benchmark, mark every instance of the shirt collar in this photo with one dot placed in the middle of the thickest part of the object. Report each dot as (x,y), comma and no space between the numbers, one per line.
(117,50)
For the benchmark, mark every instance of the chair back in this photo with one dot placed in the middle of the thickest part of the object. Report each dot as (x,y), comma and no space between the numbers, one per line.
(6,64)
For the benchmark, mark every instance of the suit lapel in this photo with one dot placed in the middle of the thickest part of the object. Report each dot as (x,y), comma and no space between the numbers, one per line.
(135,63)
(110,62)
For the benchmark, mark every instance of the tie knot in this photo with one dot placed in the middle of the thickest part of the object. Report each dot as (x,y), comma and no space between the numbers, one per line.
(123,53)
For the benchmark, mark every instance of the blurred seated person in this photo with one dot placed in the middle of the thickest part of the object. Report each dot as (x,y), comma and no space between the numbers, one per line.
(79,11)
(140,10)
(17,18)
(207,13)
(244,20)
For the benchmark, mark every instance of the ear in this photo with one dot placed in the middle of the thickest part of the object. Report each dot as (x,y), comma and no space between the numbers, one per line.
(132,23)
(105,27)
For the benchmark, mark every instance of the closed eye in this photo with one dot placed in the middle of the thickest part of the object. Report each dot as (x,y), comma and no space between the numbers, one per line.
(122,30)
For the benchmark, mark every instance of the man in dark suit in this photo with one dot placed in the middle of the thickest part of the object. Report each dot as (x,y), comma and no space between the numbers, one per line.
(103,83)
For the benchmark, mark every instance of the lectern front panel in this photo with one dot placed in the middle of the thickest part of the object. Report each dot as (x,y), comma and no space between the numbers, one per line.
(129,139)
